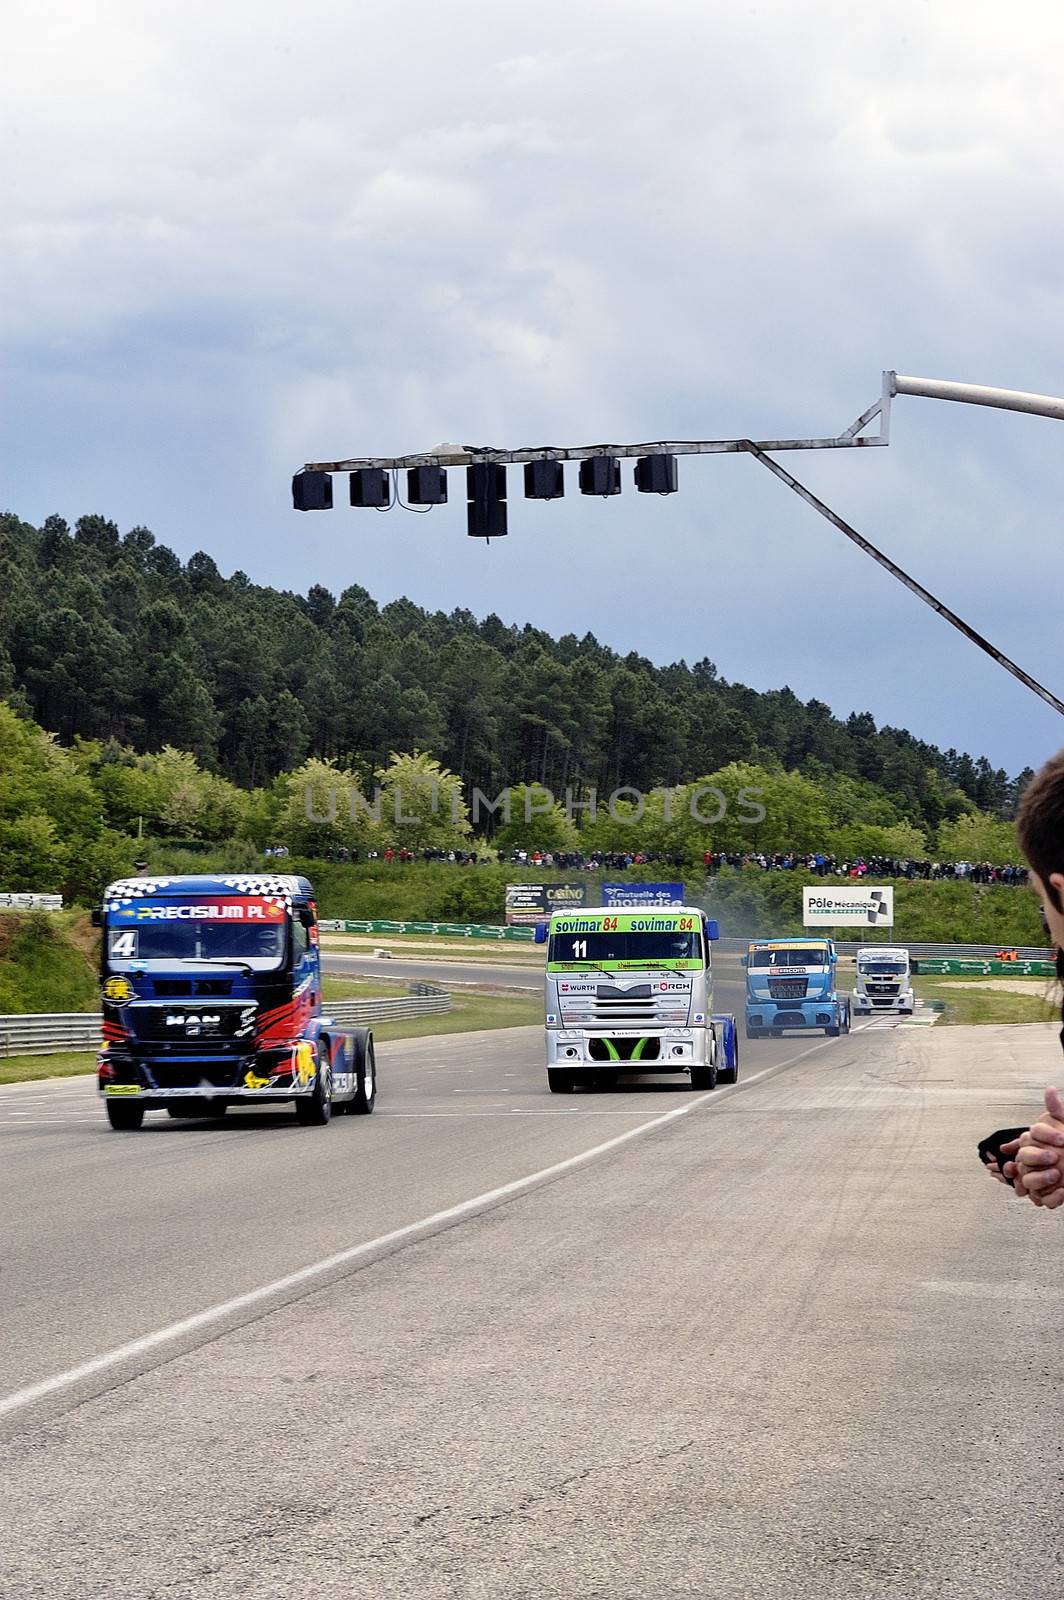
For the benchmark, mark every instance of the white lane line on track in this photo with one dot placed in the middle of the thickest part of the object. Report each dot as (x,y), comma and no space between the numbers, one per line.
(515,1112)
(266,1293)
(85,1082)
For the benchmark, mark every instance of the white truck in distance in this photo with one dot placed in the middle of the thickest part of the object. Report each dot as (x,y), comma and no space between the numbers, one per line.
(884,981)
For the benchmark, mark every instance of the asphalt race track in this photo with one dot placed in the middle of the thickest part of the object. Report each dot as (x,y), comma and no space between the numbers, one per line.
(637,1344)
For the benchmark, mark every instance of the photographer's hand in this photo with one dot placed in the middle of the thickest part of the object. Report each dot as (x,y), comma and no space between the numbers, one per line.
(1039,1161)
(1006,1172)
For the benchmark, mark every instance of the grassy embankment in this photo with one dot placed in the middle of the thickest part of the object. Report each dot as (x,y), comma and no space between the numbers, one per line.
(748,903)
(48,962)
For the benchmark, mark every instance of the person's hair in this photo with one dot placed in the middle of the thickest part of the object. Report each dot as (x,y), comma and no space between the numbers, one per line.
(1040,823)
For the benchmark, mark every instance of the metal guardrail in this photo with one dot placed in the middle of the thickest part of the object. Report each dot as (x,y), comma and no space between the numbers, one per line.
(41,1034)
(953,952)
(938,952)
(845,947)
(455,930)
(364,1011)
(928,966)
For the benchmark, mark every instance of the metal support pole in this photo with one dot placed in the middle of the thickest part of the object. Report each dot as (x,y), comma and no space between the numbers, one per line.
(902,576)
(974,394)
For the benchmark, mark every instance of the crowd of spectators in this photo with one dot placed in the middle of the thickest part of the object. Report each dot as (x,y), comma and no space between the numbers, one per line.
(819,865)
(602,860)
(461,858)
(809,863)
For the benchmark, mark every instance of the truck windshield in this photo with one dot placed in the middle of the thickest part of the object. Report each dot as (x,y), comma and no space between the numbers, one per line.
(181,931)
(812,957)
(882,969)
(631,949)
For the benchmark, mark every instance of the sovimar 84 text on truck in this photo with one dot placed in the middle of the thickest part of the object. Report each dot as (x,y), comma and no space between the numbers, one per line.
(632,991)
(212,998)
(793,983)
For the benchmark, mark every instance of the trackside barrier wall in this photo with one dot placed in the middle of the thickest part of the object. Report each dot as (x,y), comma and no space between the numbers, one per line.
(926,965)
(455,930)
(951,952)
(850,947)
(35,1034)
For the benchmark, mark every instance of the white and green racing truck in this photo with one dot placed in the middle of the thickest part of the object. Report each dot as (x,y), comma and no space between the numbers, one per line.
(632,992)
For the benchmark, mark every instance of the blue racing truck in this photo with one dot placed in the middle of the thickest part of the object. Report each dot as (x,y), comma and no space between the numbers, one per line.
(211,992)
(792,983)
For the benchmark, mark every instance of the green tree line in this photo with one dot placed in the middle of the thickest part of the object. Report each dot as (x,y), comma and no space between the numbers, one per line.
(110,638)
(73,816)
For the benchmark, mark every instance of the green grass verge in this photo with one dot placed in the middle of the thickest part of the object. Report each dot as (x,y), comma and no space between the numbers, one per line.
(469,1011)
(966,1004)
(66,1064)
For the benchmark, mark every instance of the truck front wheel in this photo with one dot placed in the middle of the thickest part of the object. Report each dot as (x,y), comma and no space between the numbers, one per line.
(125,1115)
(729,1072)
(704,1074)
(315,1109)
(364,1066)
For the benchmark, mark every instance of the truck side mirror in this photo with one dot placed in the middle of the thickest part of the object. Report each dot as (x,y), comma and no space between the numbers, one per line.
(96,917)
(712,929)
(744,960)
(306,916)
(541,933)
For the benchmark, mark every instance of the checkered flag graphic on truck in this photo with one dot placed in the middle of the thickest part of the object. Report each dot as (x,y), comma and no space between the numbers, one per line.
(878,912)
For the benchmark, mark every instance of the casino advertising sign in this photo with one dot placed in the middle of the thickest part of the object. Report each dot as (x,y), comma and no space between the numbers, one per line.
(533,902)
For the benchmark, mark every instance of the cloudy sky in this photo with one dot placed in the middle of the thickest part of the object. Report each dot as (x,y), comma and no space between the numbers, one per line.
(239,237)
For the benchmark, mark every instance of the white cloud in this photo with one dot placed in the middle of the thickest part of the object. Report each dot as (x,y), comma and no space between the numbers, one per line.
(360,229)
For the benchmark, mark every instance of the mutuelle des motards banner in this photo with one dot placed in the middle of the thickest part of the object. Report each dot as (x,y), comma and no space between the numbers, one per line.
(846,907)
(642,894)
(534,902)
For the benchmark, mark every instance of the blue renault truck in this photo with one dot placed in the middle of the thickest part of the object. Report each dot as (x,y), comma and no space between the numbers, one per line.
(211,990)
(793,984)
